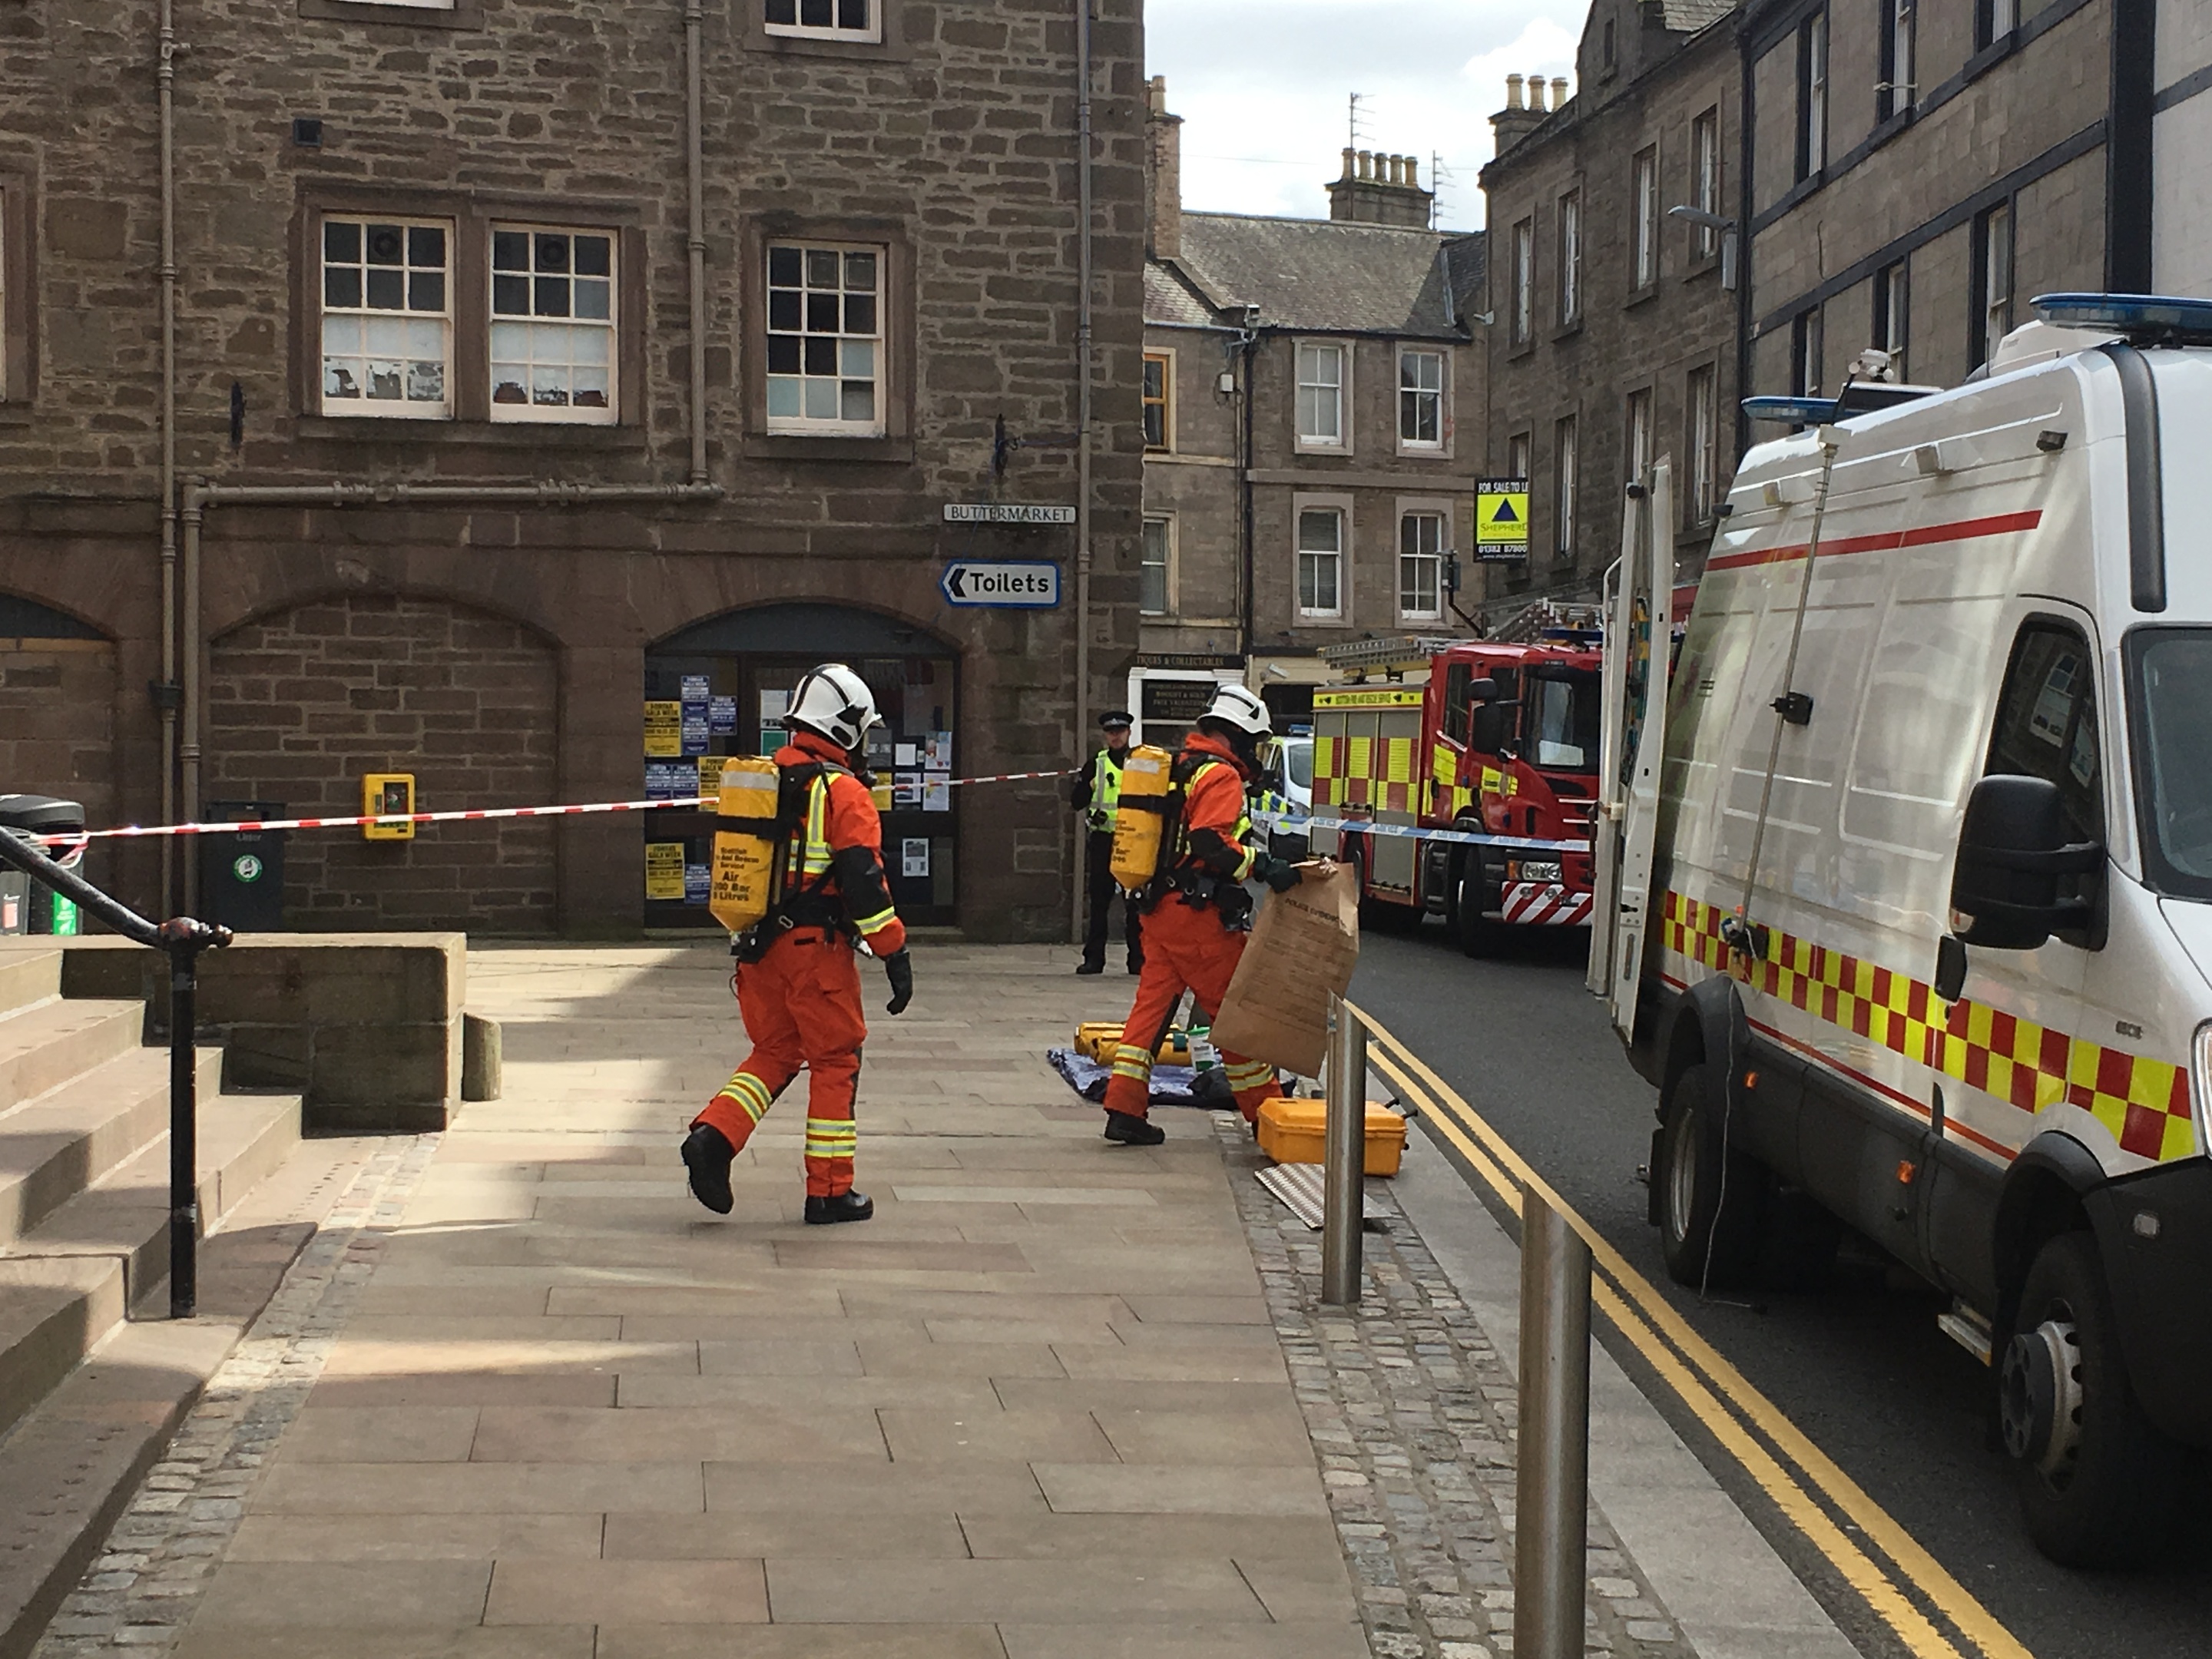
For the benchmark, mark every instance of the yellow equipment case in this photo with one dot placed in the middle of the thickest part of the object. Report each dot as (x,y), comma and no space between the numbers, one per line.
(1290,1132)
(1140,816)
(747,843)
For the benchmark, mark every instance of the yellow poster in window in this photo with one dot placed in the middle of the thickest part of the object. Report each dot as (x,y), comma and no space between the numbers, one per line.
(664,870)
(664,730)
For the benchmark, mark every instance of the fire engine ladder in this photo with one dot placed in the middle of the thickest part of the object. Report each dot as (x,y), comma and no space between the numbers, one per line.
(1398,655)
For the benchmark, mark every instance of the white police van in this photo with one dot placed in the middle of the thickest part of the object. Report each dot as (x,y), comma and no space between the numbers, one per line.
(1914,916)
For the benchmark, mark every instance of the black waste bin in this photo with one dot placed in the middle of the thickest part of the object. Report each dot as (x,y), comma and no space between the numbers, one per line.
(242,874)
(27,906)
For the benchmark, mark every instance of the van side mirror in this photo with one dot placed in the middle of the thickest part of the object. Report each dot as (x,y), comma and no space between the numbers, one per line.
(1482,690)
(2012,851)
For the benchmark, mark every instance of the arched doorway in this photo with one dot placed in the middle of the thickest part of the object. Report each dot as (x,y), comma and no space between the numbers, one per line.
(304,702)
(719,688)
(57,682)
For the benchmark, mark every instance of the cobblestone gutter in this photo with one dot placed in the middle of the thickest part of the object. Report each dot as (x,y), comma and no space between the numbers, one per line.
(1411,1416)
(142,1590)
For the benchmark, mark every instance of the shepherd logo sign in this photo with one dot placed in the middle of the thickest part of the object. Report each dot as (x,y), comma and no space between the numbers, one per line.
(1014,584)
(1501,519)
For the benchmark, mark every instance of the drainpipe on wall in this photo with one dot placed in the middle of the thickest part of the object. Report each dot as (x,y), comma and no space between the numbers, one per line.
(165,75)
(1083,324)
(695,158)
(1246,574)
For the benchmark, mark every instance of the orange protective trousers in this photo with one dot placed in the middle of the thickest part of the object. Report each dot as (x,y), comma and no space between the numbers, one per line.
(1185,948)
(801,1005)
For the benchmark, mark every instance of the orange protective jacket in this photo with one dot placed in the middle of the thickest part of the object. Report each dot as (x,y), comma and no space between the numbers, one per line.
(1216,832)
(855,831)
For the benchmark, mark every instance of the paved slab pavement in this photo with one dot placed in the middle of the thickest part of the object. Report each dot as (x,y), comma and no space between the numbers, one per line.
(1039,1408)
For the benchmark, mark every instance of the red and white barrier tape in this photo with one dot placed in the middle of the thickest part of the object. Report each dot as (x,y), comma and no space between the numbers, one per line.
(250,826)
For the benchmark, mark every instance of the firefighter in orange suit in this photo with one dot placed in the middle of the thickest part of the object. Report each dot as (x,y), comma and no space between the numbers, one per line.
(798,977)
(1197,912)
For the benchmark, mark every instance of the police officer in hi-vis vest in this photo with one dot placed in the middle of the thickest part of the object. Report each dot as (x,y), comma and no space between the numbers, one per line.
(1094,795)
(798,974)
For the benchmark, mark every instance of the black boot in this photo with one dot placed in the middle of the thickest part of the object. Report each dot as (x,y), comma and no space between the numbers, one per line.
(1134,1131)
(844,1206)
(707,1156)
(1136,964)
(1087,966)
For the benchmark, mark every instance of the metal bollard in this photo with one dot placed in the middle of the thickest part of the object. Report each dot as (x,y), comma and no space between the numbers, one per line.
(1552,1478)
(1343,1156)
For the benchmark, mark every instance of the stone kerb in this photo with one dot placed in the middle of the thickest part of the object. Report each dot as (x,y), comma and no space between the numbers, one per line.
(366,1027)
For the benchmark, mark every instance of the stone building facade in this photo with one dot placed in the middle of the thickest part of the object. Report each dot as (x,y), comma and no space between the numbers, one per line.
(2181,143)
(1613,322)
(433,298)
(1917,172)
(1315,395)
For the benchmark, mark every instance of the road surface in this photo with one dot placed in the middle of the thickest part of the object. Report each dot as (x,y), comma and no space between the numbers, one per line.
(1859,1366)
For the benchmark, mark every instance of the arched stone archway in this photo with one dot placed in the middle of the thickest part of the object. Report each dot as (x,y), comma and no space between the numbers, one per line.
(717,687)
(58,683)
(303,703)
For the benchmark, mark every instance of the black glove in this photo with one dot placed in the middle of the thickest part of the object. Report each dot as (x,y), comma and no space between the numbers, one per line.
(1280,874)
(900,967)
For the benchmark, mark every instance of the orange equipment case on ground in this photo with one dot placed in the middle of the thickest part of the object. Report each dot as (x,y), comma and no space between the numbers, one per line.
(1290,1132)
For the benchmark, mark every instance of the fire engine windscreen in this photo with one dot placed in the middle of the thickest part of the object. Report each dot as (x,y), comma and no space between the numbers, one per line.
(2173,671)
(1563,715)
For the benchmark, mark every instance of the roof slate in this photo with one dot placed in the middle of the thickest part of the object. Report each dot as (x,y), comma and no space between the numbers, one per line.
(1170,301)
(1316,274)
(1688,16)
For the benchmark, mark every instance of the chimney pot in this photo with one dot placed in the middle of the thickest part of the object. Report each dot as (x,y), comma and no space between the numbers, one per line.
(1513,92)
(1367,164)
(1351,164)
(1559,92)
(1413,172)
(1159,95)
(1536,91)
(1398,170)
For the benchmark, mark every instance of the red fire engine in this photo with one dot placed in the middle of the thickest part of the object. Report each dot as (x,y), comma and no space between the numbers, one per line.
(1503,740)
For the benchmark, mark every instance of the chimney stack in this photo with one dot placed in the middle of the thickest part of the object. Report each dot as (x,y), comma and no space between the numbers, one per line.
(1380,189)
(1517,121)
(1164,174)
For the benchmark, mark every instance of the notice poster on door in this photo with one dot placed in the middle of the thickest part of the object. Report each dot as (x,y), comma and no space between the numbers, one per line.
(773,705)
(936,752)
(664,730)
(721,715)
(698,879)
(664,871)
(694,728)
(937,792)
(914,855)
(693,688)
(906,790)
(710,774)
(671,781)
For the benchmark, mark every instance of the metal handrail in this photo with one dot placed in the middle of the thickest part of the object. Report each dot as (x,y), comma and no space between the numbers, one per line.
(181,939)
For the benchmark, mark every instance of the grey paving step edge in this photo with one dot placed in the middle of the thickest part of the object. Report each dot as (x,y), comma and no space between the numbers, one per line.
(105,1249)
(43,1046)
(27,975)
(54,1147)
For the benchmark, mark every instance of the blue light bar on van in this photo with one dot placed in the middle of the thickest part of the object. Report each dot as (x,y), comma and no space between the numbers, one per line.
(2156,316)
(1794,411)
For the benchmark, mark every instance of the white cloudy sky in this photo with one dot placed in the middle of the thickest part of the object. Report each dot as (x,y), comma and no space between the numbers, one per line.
(1263,88)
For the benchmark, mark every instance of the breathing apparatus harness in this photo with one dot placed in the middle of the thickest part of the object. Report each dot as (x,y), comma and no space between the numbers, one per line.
(809,902)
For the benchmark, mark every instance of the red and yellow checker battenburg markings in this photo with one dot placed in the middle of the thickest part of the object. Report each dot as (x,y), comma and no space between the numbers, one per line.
(2145,1102)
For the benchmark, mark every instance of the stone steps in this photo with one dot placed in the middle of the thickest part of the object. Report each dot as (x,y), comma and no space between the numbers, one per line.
(89,1397)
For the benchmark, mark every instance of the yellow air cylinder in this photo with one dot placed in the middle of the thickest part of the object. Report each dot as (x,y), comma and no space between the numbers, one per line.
(745,837)
(1140,815)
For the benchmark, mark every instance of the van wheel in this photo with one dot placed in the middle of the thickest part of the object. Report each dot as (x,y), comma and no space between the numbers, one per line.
(1477,934)
(2097,1482)
(1712,1197)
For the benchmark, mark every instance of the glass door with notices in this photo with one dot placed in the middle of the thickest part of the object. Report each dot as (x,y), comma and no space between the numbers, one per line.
(702,708)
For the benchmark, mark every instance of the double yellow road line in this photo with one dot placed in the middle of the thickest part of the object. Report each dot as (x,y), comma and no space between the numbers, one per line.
(1882,1563)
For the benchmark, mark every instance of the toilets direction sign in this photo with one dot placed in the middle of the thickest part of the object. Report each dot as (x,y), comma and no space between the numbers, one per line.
(1002,584)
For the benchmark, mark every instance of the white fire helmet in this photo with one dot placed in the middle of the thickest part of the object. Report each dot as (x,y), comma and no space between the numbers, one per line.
(1240,708)
(834,701)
